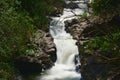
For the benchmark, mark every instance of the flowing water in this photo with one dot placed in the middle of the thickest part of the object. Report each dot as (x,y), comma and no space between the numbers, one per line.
(67,50)
(65,67)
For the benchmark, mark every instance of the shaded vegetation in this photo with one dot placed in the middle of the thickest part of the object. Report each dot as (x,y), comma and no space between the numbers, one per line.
(106,7)
(15,31)
(40,9)
(19,19)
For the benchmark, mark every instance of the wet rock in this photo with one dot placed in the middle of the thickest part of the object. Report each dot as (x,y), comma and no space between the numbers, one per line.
(77,63)
(69,23)
(57,12)
(72,5)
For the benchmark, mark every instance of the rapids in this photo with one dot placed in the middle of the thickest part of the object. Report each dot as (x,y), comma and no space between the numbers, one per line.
(65,67)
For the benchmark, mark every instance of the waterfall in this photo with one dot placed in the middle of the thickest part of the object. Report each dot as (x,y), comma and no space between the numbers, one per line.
(64,68)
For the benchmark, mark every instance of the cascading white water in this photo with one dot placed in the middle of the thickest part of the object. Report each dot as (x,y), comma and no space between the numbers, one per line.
(64,68)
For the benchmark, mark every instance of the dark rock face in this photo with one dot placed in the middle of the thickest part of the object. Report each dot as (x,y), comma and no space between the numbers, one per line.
(72,5)
(27,64)
(56,12)
(77,63)
(93,68)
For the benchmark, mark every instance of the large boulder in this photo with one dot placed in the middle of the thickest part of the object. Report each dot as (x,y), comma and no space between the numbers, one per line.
(43,57)
(75,27)
(47,45)
(57,12)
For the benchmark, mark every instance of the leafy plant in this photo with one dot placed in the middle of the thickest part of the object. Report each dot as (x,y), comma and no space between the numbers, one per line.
(102,7)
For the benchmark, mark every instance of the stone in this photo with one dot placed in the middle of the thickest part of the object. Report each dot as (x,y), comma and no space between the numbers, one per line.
(69,23)
(46,44)
(57,12)
(43,58)
(72,5)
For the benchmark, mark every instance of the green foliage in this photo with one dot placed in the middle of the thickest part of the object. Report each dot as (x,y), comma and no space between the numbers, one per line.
(105,44)
(84,15)
(16,28)
(18,21)
(15,31)
(102,7)
(39,9)
(6,71)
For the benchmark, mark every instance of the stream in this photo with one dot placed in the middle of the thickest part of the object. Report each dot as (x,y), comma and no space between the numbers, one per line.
(65,67)
(67,50)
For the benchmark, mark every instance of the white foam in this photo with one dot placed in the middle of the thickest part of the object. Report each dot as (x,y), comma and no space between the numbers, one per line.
(64,68)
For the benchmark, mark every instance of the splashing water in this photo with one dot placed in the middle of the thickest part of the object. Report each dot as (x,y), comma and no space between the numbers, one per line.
(64,68)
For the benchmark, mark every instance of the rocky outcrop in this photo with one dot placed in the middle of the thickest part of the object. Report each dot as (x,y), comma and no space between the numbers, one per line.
(75,27)
(57,12)
(82,27)
(93,66)
(42,57)
(47,45)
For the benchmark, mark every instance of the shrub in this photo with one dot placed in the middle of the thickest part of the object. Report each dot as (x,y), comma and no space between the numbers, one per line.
(102,7)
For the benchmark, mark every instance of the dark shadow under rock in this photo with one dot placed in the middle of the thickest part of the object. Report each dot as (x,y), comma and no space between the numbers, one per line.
(95,69)
(28,64)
